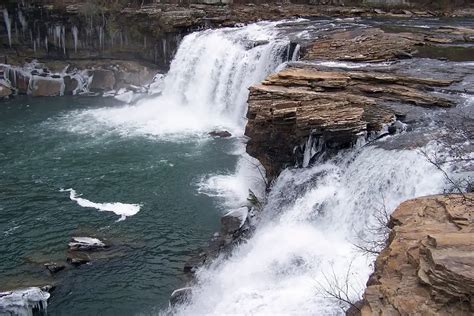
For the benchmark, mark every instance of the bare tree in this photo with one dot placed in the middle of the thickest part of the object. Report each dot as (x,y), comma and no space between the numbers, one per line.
(373,238)
(340,289)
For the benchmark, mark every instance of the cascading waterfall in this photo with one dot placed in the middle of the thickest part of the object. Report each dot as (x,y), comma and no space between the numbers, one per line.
(207,85)
(305,240)
(8,26)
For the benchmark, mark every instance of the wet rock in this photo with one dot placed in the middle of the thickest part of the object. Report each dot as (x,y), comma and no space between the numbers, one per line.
(54,267)
(221,134)
(102,80)
(70,85)
(180,296)
(46,86)
(427,266)
(86,244)
(234,220)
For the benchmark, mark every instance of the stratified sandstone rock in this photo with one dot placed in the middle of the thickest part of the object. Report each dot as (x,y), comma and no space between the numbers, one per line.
(427,267)
(333,107)
(364,45)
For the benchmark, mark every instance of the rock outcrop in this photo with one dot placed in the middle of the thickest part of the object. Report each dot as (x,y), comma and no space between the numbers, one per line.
(427,267)
(334,108)
(364,45)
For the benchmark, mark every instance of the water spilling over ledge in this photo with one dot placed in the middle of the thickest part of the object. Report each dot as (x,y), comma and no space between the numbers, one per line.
(158,152)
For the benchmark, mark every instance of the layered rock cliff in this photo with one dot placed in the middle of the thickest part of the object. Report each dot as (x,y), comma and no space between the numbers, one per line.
(427,267)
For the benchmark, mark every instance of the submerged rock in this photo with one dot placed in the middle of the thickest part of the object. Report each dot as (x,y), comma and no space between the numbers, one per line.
(427,268)
(23,301)
(77,258)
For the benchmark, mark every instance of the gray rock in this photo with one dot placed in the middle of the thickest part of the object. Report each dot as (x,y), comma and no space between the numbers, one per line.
(54,267)
(234,220)
(102,80)
(46,86)
(70,84)
(221,134)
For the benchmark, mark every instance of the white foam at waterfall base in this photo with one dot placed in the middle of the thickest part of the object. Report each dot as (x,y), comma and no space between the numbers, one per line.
(122,209)
(206,88)
(232,189)
(304,242)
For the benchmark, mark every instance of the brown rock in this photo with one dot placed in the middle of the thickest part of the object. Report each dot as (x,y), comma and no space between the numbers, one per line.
(334,107)
(364,45)
(427,267)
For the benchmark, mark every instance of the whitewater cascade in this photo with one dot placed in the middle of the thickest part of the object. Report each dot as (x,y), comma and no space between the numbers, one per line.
(206,87)
(305,240)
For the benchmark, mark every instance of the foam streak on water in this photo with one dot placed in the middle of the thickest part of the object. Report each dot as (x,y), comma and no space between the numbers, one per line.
(122,209)
(305,239)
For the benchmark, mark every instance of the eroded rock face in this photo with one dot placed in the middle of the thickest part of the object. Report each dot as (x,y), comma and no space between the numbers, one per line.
(334,107)
(427,267)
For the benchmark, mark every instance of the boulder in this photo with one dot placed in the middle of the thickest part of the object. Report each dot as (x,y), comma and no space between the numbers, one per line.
(180,296)
(221,134)
(46,86)
(102,80)
(54,267)
(234,220)
(86,244)
(427,267)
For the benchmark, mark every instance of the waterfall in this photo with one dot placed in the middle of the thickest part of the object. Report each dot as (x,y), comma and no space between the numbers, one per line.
(304,241)
(206,87)
(8,25)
